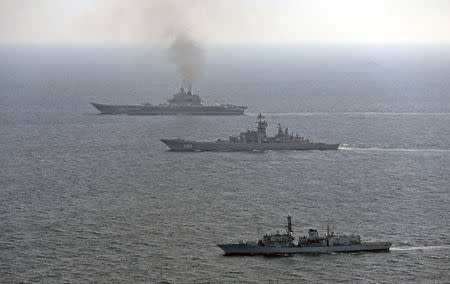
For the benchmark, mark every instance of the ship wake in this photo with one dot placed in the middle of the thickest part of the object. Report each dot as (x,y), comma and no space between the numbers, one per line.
(421,248)
(346,148)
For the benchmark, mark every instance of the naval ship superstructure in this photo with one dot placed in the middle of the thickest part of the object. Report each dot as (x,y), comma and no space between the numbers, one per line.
(252,140)
(184,102)
(284,244)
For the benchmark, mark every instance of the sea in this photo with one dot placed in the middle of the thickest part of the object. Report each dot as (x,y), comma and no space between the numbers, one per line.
(86,197)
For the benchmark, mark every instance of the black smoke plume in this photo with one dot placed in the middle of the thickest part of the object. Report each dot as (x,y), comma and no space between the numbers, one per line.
(189,58)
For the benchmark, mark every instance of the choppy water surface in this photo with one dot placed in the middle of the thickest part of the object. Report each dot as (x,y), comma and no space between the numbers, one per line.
(87,197)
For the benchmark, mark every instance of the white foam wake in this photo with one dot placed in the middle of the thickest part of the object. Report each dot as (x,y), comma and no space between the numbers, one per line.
(393,150)
(422,248)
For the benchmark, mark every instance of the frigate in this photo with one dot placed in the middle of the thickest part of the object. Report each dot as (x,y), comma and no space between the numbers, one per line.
(285,244)
(252,140)
(184,102)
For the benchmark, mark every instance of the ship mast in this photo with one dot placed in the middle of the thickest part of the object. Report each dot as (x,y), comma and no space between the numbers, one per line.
(328,232)
(289,224)
(328,228)
(262,125)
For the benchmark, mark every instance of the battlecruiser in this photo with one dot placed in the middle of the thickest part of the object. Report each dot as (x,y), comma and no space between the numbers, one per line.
(252,140)
(182,103)
(284,244)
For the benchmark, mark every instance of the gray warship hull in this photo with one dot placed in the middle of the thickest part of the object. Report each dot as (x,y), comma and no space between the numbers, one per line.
(170,109)
(236,249)
(186,145)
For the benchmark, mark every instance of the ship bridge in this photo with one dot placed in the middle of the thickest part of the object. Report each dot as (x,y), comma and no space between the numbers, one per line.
(185,98)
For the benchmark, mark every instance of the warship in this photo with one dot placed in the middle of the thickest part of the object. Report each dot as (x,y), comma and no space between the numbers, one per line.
(284,244)
(184,102)
(252,140)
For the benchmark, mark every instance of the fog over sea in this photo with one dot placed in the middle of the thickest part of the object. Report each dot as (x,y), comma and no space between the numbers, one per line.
(98,198)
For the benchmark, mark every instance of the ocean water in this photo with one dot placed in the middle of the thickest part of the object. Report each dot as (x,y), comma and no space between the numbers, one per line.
(98,198)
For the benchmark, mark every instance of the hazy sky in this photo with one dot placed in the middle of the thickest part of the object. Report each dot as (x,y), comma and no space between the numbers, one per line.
(225,21)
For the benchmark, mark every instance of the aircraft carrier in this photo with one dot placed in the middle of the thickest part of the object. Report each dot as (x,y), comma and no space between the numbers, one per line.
(284,244)
(184,102)
(255,140)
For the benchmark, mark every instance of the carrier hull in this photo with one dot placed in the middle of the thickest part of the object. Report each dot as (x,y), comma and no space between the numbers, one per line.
(236,249)
(170,109)
(185,145)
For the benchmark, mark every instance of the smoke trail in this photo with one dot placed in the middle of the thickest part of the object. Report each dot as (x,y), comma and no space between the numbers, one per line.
(189,58)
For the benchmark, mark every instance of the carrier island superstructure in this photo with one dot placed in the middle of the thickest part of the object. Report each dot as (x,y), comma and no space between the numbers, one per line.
(252,140)
(285,244)
(184,102)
